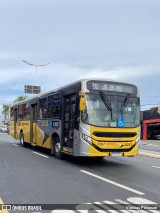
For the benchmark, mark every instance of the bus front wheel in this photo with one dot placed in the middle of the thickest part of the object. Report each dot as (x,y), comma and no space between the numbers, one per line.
(57,148)
(22,143)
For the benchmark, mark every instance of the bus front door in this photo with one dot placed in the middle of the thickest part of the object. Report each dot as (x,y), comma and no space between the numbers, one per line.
(69,122)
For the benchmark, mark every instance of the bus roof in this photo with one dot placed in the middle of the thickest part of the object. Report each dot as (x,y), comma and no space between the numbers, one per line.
(67,85)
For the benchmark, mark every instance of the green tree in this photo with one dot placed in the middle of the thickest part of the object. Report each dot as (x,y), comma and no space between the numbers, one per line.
(20,98)
(5,110)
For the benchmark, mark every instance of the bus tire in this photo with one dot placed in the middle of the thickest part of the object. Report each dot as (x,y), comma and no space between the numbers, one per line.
(22,143)
(57,148)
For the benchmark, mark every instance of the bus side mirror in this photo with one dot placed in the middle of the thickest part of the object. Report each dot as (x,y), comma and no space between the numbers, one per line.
(82,105)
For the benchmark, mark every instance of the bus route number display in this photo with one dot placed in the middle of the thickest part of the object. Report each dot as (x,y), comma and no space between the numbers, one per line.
(110,86)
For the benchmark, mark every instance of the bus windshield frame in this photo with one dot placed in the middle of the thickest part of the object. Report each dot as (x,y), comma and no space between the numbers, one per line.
(112,110)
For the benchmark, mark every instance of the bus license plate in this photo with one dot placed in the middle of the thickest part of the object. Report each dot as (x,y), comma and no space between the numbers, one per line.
(116,153)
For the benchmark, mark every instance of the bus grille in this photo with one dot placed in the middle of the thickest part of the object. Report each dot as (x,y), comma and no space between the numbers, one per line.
(115,134)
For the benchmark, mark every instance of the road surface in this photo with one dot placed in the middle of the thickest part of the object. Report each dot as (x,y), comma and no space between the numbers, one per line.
(33,176)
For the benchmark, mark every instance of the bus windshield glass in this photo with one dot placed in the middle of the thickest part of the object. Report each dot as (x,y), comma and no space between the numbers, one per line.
(111,110)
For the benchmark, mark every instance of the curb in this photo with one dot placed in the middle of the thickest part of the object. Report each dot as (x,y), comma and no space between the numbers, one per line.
(153,142)
(149,154)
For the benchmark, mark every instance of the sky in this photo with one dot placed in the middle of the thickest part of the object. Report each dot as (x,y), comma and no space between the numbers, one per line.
(111,39)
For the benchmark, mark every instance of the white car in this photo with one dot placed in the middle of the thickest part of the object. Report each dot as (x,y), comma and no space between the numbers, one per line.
(3,128)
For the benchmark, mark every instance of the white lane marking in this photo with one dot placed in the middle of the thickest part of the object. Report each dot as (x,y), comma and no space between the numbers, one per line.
(156,167)
(14,144)
(109,202)
(113,211)
(140,200)
(113,183)
(10,170)
(101,206)
(37,153)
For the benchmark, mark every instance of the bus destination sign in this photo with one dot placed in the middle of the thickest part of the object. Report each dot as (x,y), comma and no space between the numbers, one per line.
(111,86)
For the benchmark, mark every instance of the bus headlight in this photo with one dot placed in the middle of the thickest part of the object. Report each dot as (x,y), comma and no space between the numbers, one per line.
(139,136)
(86,138)
(138,140)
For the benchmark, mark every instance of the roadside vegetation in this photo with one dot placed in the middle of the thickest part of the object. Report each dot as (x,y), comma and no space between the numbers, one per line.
(5,107)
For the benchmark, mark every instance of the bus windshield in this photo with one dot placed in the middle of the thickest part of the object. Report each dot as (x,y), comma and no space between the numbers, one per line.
(111,110)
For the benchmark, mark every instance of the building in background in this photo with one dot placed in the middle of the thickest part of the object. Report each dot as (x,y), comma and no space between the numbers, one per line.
(151,124)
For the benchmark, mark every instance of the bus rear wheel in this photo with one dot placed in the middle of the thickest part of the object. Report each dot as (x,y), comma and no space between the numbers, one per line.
(57,148)
(22,143)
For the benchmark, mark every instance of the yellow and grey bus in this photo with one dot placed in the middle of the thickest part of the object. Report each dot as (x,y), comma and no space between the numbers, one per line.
(90,117)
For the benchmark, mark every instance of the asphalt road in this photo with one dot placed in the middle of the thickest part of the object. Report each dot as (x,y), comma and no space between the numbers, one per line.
(29,176)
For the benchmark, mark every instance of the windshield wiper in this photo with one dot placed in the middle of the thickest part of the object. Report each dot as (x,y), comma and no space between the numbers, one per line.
(124,103)
(106,102)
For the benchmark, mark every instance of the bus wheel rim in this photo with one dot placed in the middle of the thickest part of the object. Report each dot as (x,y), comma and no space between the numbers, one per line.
(57,147)
(22,141)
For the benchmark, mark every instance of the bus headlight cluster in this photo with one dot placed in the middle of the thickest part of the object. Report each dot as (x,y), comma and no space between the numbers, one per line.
(138,140)
(86,138)
(139,136)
